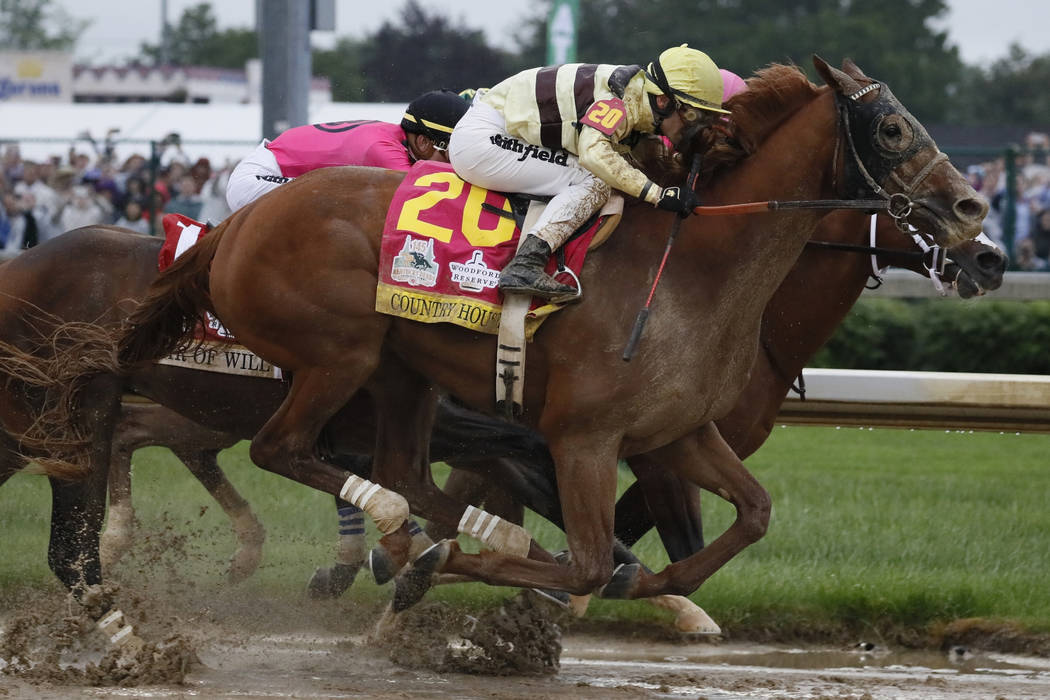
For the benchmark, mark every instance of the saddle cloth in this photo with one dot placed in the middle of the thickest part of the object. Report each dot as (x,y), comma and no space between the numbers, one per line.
(218,350)
(443,248)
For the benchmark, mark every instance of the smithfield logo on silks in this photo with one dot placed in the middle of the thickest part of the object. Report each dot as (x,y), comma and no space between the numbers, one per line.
(474,275)
(415,263)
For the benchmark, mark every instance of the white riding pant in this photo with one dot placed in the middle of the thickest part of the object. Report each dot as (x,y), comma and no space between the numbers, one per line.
(256,174)
(483,153)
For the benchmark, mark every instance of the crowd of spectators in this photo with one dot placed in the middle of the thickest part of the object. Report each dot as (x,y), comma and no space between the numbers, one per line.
(1031,226)
(40,199)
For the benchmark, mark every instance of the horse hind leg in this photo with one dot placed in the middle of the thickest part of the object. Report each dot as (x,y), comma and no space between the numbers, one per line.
(77,510)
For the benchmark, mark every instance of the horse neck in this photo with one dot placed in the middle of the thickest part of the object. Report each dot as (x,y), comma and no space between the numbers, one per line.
(815,297)
(754,253)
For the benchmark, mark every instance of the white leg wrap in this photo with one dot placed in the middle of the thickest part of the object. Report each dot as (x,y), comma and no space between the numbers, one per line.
(387,508)
(495,532)
(118,633)
(690,618)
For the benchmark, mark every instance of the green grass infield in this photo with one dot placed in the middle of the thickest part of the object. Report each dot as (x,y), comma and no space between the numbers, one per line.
(891,533)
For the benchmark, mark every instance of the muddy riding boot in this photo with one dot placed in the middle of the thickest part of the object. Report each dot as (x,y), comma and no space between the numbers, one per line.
(525,275)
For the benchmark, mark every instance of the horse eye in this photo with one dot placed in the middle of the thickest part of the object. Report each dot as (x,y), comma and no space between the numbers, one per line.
(893,134)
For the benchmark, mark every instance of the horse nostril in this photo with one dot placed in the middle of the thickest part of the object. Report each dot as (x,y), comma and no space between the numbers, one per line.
(971,208)
(991,261)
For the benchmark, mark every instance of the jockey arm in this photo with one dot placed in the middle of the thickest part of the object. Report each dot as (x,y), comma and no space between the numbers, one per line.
(598,154)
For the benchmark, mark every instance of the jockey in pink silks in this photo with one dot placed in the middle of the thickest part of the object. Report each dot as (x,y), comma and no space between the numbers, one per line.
(422,135)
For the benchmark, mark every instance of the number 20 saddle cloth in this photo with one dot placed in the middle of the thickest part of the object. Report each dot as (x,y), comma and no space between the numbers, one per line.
(444,244)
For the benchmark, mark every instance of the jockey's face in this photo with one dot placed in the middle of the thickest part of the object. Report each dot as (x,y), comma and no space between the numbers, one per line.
(672,127)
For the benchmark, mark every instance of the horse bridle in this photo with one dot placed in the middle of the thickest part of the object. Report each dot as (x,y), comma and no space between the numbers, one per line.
(899,204)
(933,257)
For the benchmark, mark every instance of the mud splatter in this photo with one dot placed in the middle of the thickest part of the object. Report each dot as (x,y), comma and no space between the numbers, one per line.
(520,637)
(55,640)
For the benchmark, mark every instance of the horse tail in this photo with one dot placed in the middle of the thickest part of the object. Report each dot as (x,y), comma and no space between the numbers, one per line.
(166,319)
(49,373)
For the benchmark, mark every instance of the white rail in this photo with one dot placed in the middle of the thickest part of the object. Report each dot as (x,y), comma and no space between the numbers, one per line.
(1017,286)
(951,400)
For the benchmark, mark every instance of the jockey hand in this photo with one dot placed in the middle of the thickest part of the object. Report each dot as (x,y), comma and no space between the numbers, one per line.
(681,200)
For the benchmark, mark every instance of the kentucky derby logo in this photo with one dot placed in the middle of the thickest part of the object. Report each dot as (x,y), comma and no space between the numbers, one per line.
(415,263)
(475,275)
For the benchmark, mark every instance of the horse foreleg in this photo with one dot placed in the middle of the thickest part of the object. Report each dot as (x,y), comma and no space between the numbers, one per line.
(671,503)
(350,551)
(587,483)
(332,581)
(469,487)
(705,459)
(287,443)
(246,527)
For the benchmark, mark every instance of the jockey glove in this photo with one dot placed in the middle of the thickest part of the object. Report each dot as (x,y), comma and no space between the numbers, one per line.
(681,200)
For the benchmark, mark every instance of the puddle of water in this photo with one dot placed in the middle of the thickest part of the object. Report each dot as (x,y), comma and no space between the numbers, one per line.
(825,659)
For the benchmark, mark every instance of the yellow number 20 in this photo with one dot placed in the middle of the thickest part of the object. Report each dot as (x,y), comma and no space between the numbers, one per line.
(478,237)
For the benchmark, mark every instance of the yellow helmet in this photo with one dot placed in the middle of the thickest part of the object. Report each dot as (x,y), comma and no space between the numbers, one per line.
(688,76)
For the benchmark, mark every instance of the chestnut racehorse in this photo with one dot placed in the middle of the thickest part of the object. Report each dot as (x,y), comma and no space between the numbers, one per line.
(93,277)
(293,276)
(808,304)
(811,301)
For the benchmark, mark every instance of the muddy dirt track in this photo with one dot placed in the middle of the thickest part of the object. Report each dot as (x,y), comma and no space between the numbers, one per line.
(263,649)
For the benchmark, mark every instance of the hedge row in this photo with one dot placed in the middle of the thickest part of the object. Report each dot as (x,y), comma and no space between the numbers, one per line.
(942,335)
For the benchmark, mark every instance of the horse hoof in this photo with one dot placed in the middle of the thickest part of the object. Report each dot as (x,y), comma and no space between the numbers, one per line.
(697,624)
(622,583)
(410,587)
(331,582)
(382,565)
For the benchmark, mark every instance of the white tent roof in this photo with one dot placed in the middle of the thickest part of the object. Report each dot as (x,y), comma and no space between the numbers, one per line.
(218,132)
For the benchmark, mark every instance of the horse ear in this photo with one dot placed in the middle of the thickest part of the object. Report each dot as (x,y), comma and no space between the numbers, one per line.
(854,71)
(835,78)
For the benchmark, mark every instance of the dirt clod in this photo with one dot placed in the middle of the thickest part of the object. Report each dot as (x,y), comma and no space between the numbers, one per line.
(520,637)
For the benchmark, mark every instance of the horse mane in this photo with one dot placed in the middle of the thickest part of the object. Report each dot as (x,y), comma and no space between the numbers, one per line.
(773,95)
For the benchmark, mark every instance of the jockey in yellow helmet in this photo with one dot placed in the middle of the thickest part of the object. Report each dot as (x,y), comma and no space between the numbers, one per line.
(563,131)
